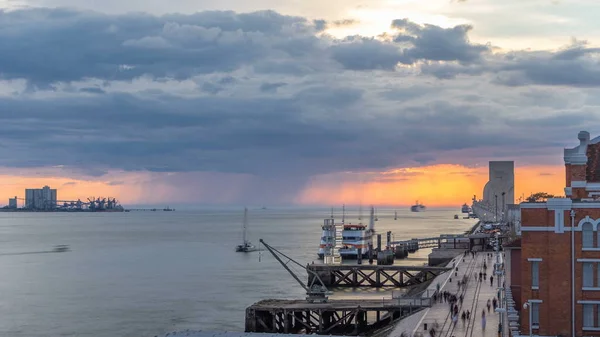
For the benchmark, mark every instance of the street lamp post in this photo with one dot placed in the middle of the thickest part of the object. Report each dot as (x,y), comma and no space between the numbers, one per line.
(503,206)
(496,205)
(526,306)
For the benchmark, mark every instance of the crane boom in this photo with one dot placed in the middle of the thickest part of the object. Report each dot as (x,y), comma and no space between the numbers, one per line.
(314,291)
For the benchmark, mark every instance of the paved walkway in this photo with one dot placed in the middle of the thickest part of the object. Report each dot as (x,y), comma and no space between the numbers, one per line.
(476,294)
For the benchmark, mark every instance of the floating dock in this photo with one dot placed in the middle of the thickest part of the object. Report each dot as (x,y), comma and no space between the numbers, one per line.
(335,317)
(373,275)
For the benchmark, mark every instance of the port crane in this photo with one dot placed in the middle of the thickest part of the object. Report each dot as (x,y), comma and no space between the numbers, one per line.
(314,292)
(96,204)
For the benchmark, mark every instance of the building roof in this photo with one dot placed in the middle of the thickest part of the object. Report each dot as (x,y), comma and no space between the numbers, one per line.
(513,244)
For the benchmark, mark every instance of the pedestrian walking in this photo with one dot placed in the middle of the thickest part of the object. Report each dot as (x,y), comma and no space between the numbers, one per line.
(483,319)
(488,304)
(491,280)
(463,317)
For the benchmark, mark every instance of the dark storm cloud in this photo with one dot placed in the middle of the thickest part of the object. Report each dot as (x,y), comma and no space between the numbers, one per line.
(92,90)
(411,44)
(51,45)
(263,136)
(359,53)
(574,66)
(61,45)
(430,42)
(271,87)
(325,120)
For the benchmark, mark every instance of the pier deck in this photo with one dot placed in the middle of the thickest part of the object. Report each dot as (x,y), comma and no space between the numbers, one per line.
(476,294)
(366,275)
(337,317)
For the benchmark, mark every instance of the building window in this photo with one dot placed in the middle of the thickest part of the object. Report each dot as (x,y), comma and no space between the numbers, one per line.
(535,315)
(587,231)
(588,315)
(535,274)
(588,275)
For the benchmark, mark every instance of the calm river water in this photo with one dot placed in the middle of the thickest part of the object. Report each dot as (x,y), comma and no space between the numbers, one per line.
(147,273)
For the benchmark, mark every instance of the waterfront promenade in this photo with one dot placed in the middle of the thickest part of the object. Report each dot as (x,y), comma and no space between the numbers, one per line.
(476,295)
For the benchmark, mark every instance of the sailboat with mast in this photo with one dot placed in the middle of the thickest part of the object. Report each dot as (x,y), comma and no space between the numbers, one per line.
(246,245)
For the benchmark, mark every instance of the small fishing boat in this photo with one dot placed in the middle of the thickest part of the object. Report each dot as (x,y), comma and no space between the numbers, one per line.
(246,245)
(61,248)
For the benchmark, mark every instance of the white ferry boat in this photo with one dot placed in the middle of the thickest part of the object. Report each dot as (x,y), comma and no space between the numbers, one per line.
(466,208)
(354,237)
(417,207)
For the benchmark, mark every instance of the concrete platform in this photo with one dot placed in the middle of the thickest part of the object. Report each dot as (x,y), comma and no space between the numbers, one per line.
(341,304)
(192,333)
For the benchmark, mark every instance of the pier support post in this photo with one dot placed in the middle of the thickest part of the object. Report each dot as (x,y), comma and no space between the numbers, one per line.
(378,242)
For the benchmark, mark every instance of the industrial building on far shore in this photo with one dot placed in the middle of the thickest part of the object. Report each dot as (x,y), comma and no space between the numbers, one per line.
(46,199)
(40,198)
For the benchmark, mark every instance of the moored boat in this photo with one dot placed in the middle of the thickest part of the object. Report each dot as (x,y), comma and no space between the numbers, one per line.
(465,208)
(357,239)
(246,245)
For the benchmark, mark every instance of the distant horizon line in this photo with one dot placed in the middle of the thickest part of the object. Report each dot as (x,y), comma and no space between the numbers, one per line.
(280,206)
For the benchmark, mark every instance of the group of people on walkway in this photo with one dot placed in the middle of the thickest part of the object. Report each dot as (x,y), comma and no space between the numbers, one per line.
(455,300)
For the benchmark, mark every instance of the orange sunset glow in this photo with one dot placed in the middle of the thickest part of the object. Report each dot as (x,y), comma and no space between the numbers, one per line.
(438,185)
(68,188)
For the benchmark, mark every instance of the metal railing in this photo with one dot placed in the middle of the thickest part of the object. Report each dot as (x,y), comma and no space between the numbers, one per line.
(398,299)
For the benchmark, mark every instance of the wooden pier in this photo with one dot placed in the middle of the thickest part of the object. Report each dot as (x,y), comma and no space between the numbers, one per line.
(373,275)
(335,317)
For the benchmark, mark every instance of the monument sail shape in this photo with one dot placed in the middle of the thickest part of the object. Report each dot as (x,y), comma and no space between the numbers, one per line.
(498,192)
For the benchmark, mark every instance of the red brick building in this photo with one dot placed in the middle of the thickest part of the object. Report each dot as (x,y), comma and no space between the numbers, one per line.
(560,251)
(512,269)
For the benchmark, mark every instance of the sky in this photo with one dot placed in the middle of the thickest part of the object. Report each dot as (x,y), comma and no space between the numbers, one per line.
(292,102)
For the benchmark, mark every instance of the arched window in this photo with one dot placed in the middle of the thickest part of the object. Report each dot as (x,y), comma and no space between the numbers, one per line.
(587,231)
